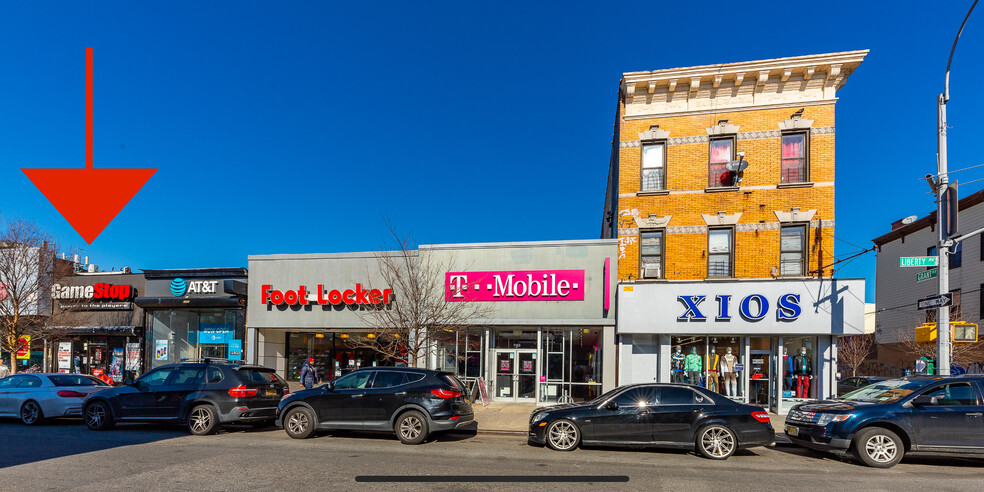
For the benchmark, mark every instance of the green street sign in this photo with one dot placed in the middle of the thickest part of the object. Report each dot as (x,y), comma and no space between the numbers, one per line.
(918,261)
(928,274)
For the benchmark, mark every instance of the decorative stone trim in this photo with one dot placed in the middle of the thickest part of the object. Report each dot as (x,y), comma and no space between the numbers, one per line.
(652,222)
(628,232)
(687,230)
(795,215)
(700,139)
(651,193)
(758,226)
(654,133)
(721,219)
(722,129)
(795,123)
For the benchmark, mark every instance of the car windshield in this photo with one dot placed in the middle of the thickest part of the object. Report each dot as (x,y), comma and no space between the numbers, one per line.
(75,380)
(885,391)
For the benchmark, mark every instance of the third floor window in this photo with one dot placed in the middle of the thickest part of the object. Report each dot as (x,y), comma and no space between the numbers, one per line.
(654,167)
(722,151)
(794,154)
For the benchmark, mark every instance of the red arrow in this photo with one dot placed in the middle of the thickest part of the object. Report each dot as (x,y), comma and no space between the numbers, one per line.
(89,199)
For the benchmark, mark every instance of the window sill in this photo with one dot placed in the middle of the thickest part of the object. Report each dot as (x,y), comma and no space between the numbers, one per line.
(719,189)
(653,193)
(806,184)
(720,279)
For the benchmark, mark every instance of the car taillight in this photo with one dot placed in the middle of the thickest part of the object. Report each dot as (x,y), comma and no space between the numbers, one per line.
(445,394)
(761,417)
(241,391)
(71,394)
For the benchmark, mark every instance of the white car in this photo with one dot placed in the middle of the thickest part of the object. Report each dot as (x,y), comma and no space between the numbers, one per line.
(33,397)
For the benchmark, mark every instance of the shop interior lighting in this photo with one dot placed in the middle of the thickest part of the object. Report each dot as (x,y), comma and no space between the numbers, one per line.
(319,335)
(371,335)
(344,335)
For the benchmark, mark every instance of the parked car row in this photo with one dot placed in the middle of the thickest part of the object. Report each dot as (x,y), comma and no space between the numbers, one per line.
(878,424)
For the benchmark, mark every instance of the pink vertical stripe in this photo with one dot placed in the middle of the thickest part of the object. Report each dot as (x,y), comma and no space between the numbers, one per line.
(608,266)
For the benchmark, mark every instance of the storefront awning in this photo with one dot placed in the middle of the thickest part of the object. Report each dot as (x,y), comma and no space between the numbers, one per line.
(96,330)
(170,302)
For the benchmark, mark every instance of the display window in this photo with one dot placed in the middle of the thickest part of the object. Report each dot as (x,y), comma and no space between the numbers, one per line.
(687,360)
(175,335)
(799,367)
(725,366)
(570,364)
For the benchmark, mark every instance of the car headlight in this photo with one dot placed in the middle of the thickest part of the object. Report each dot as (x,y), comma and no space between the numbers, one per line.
(827,418)
(538,417)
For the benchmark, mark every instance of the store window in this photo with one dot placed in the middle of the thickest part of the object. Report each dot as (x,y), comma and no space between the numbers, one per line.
(571,367)
(515,339)
(174,335)
(654,167)
(301,347)
(799,365)
(725,366)
(651,254)
(460,352)
(792,251)
(794,157)
(722,151)
(720,252)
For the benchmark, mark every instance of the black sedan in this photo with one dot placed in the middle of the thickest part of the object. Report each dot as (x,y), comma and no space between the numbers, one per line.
(655,415)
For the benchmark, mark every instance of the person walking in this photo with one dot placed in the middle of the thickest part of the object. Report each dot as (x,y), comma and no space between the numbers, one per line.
(4,371)
(309,375)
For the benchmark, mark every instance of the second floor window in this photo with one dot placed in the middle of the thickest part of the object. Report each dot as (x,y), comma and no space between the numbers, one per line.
(792,248)
(794,158)
(722,151)
(651,254)
(653,167)
(719,252)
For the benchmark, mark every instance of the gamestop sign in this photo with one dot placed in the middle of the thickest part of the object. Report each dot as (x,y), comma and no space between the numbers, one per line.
(522,285)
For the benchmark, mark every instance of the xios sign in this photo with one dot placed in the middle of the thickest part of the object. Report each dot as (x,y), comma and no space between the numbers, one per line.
(524,285)
(753,307)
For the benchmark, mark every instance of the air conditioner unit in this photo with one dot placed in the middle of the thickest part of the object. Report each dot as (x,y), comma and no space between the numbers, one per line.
(652,271)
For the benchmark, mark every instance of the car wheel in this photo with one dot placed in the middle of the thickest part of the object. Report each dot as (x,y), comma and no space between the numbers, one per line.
(716,442)
(30,413)
(411,427)
(878,447)
(563,435)
(203,420)
(97,416)
(299,423)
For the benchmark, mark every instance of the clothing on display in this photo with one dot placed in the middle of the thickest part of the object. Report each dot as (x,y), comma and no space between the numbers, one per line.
(729,378)
(678,362)
(712,374)
(803,370)
(694,365)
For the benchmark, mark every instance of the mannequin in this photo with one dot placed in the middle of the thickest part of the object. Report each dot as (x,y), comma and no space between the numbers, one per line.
(694,366)
(729,379)
(677,363)
(803,369)
(787,367)
(712,374)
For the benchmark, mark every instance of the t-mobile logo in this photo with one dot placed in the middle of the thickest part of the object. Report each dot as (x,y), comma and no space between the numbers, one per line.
(458,284)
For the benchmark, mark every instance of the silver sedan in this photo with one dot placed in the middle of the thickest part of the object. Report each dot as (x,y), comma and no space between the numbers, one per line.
(36,396)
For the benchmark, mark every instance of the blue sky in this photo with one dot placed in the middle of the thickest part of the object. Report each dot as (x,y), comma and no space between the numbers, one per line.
(299,127)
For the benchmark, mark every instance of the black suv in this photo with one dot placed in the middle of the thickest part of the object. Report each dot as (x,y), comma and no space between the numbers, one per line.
(202,394)
(882,422)
(410,402)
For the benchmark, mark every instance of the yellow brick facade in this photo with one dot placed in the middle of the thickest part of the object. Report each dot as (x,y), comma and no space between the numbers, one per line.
(756,252)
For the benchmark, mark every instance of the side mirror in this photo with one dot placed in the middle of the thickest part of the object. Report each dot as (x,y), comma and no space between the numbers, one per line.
(611,406)
(923,400)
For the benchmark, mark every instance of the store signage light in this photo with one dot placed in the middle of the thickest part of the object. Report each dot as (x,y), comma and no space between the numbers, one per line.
(787,307)
(321,296)
(97,291)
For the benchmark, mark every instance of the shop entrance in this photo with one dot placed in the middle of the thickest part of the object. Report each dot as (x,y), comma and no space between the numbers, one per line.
(515,375)
(760,380)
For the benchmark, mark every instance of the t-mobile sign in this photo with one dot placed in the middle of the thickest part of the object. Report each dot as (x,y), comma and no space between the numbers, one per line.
(524,285)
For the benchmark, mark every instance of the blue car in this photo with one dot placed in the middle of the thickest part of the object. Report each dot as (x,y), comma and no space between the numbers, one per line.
(881,423)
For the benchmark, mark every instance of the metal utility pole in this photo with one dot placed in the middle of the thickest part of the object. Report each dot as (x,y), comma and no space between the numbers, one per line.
(943,344)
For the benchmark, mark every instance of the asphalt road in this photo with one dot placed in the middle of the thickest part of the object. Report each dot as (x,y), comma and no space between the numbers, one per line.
(66,456)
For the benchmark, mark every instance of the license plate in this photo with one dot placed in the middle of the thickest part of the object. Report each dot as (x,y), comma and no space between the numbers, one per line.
(271,392)
(792,431)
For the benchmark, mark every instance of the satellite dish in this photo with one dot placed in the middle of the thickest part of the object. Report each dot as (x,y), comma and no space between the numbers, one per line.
(736,166)
(910,219)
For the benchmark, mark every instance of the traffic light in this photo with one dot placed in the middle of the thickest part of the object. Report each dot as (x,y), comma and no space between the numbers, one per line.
(960,331)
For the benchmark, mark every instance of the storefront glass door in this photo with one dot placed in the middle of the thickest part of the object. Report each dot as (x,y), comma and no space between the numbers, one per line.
(760,380)
(515,375)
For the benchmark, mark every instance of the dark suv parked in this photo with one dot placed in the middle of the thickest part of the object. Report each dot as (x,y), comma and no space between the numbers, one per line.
(410,402)
(883,422)
(204,395)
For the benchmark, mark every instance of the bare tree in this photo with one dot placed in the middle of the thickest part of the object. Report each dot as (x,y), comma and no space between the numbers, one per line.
(419,315)
(26,272)
(963,354)
(853,350)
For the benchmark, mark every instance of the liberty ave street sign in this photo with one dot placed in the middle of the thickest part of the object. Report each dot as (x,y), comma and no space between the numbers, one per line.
(918,261)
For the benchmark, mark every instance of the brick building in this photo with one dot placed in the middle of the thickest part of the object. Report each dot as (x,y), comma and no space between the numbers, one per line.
(719,173)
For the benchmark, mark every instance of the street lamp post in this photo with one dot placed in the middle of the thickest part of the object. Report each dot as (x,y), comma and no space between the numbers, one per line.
(943,343)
